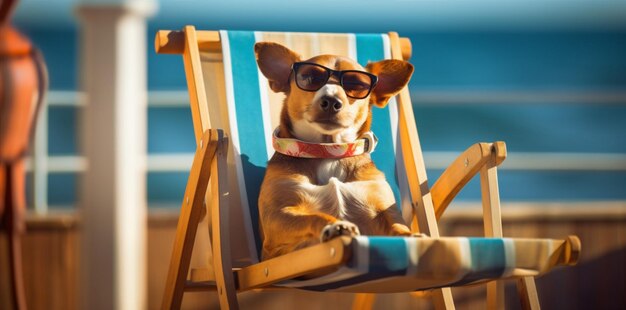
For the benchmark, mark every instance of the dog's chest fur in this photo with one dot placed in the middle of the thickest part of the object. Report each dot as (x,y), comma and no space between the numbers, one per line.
(334,191)
(330,168)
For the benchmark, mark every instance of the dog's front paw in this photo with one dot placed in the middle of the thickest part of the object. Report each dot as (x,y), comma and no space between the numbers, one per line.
(339,228)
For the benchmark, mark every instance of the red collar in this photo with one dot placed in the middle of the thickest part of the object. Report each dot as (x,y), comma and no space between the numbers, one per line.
(298,148)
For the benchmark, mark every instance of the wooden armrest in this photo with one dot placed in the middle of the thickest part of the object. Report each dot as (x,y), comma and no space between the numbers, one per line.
(462,170)
(572,251)
(317,258)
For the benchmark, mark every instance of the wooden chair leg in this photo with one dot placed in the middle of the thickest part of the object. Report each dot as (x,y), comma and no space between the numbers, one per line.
(442,299)
(363,301)
(226,290)
(181,257)
(495,295)
(528,293)
(190,214)
(492,218)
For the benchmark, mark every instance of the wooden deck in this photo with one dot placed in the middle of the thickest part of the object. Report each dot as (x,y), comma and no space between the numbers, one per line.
(51,262)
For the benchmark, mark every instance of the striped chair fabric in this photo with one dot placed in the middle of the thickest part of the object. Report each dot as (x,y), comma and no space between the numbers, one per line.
(250,111)
(395,264)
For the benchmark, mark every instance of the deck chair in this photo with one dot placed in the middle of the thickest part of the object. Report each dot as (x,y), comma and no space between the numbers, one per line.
(234,113)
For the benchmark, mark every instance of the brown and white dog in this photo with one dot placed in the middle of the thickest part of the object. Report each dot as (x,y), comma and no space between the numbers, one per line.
(328,100)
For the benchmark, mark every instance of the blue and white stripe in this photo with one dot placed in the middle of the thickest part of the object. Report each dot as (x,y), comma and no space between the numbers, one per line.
(396,264)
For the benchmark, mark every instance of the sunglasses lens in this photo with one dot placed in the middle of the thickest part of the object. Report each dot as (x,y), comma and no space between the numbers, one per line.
(356,84)
(311,77)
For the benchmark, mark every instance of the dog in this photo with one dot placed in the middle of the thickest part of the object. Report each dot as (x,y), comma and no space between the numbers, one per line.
(326,113)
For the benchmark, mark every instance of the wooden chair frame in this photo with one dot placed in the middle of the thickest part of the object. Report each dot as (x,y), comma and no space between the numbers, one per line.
(209,164)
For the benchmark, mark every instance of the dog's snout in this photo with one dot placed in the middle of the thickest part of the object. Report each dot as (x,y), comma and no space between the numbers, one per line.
(329,103)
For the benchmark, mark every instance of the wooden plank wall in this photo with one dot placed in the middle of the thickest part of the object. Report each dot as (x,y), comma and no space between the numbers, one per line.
(50,262)
(51,266)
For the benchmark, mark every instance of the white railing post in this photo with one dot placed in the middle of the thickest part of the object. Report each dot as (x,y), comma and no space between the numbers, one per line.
(40,163)
(112,202)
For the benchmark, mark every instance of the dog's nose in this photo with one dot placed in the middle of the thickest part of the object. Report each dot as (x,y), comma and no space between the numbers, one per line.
(330,103)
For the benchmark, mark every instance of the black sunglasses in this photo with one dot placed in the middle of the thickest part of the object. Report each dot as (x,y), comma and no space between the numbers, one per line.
(312,77)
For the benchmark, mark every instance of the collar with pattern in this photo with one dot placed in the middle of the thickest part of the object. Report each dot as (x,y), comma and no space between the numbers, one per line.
(298,148)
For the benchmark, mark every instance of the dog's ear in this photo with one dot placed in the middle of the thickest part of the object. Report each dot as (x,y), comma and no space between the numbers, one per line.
(275,62)
(393,75)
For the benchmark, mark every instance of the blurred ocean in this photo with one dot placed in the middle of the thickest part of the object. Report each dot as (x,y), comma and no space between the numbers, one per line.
(541,91)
